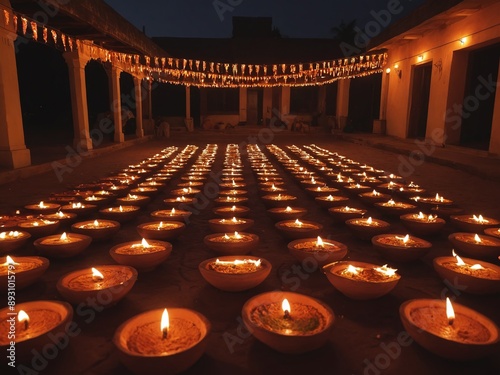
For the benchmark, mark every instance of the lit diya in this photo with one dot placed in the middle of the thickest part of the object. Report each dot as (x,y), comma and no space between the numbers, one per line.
(366,228)
(231,211)
(161,230)
(446,211)
(494,232)
(120,213)
(474,276)
(233,192)
(374,196)
(232,244)
(321,190)
(162,341)
(43,207)
(288,322)
(98,229)
(27,270)
(317,250)
(279,200)
(149,191)
(101,286)
(63,245)
(235,273)
(331,200)
(295,229)
(410,190)
(473,223)
(63,217)
(390,187)
(286,213)
(39,227)
(265,190)
(143,255)
(360,280)
(454,332)
(179,202)
(395,208)
(234,224)
(10,222)
(422,224)
(97,200)
(436,200)
(355,189)
(341,214)
(476,245)
(133,200)
(13,240)
(172,215)
(185,191)
(228,200)
(399,248)
(79,208)
(35,325)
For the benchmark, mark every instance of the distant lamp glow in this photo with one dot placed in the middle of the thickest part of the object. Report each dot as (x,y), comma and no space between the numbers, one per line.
(463,40)
(388,70)
(420,57)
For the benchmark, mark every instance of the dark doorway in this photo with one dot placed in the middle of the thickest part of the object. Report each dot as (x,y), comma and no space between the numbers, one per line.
(479,97)
(254,106)
(196,106)
(364,103)
(419,108)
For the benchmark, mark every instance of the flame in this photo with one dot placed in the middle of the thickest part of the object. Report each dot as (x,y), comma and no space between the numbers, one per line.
(298,222)
(391,202)
(369,220)
(477,238)
(121,208)
(63,237)
(237,235)
(145,243)
(77,205)
(41,204)
(172,212)
(460,262)
(351,269)
(96,275)
(288,209)
(96,223)
(234,220)
(165,323)
(22,316)
(160,225)
(60,214)
(3,235)
(450,313)
(233,208)
(420,215)
(387,271)
(375,192)
(479,219)
(9,261)
(330,197)
(319,242)
(285,306)
(226,237)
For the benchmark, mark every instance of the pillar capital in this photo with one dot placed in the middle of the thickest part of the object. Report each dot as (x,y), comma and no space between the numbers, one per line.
(76,59)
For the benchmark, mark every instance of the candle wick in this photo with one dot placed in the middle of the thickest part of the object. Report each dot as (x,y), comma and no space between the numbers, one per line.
(287,314)
(26,324)
(165,334)
(450,321)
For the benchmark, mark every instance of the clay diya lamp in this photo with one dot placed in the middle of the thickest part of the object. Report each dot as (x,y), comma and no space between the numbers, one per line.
(172,215)
(26,269)
(288,322)
(473,223)
(437,200)
(231,211)
(391,178)
(400,248)
(35,326)
(494,232)
(39,227)
(446,211)
(64,218)
(144,255)
(390,187)
(312,182)
(161,230)
(232,244)
(355,189)
(120,213)
(10,222)
(474,276)
(179,202)
(286,213)
(228,200)
(185,192)
(235,273)
(63,245)
(321,191)
(410,190)
(145,190)
(451,331)
(117,190)
(394,208)
(190,184)
(266,190)
(295,229)
(80,209)
(270,184)
(232,184)
(329,201)
(278,200)
(96,200)
(370,181)
(234,224)
(162,341)
(318,250)
(13,240)
(103,285)
(133,200)
(43,207)
(154,184)
(374,196)
(422,224)
(233,192)
(360,280)
(476,245)
(341,214)
(98,229)
(366,228)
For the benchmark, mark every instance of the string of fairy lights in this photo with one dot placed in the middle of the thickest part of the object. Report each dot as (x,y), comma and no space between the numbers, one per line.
(201,73)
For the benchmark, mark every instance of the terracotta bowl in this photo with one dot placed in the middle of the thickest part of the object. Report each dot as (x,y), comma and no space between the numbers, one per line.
(234,282)
(294,233)
(469,283)
(85,210)
(397,253)
(358,289)
(278,213)
(337,200)
(340,214)
(229,225)
(49,208)
(232,248)
(62,250)
(271,201)
(489,248)
(227,212)
(422,228)
(66,218)
(97,234)
(303,249)
(288,343)
(48,228)
(494,232)
(122,217)
(395,210)
(104,297)
(446,211)
(449,349)
(146,261)
(367,232)
(171,230)
(465,226)
(369,198)
(24,277)
(141,201)
(11,244)
(180,215)
(167,364)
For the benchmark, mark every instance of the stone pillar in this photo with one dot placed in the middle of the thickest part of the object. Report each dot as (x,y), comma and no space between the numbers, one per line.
(494,147)
(188,121)
(78,89)
(243,104)
(13,151)
(139,130)
(343,102)
(285,101)
(116,104)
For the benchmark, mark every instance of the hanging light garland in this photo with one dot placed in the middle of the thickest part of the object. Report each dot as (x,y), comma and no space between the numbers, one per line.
(202,73)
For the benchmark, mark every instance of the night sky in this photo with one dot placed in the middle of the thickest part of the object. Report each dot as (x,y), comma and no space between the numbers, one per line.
(212,18)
